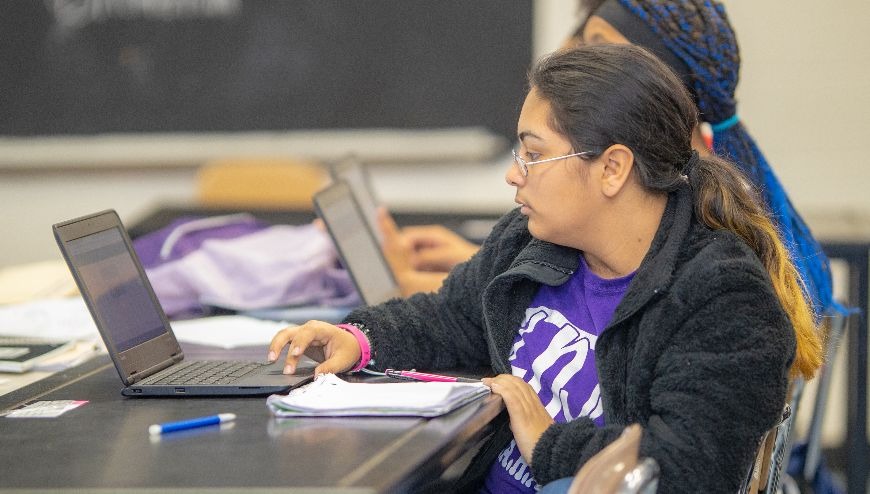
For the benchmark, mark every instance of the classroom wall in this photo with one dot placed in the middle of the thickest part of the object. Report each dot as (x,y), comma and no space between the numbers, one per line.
(803,94)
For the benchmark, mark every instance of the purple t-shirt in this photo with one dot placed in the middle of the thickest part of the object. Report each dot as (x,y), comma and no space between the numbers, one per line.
(554,352)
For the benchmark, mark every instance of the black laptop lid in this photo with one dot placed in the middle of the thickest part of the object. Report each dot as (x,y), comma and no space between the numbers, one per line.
(117,292)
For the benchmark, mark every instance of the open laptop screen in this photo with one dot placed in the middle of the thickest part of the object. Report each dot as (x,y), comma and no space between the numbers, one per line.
(122,300)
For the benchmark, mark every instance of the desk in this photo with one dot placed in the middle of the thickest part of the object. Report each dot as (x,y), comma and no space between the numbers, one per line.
(104,444)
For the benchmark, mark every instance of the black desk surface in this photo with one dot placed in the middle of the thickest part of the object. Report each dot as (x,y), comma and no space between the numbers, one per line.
(105,444)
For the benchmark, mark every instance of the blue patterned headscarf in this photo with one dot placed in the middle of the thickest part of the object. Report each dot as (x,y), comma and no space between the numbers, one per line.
(695,38)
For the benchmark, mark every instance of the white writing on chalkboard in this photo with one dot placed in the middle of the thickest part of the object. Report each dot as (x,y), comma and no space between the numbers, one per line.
(78,13)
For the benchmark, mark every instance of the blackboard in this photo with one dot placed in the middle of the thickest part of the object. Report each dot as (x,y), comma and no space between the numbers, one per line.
(84,67)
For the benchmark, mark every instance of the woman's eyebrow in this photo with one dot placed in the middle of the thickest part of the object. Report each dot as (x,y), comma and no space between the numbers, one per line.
(524,134)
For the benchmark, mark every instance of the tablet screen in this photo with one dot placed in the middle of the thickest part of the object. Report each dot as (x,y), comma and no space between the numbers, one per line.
(356,243)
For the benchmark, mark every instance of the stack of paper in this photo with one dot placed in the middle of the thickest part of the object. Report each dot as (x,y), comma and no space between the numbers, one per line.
(330,396)
(20,354)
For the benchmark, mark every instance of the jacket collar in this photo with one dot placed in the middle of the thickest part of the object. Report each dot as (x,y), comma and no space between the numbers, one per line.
(658,266)
(559,262)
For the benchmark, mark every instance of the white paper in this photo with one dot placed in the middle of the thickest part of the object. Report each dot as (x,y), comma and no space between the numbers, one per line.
(227,331)
(62,319)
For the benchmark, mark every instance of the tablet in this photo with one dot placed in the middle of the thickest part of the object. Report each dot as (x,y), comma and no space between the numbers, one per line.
(356,243)
(353,172)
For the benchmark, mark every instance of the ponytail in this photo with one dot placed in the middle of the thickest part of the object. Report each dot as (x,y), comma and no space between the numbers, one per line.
(724,199)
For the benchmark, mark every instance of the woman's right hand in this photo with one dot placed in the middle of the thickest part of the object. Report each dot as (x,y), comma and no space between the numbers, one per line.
(339,348)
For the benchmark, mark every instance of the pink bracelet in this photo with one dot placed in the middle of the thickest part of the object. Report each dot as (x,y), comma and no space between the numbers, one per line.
(364,346)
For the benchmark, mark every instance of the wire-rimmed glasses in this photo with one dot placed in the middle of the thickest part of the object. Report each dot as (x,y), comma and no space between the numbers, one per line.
(524,165)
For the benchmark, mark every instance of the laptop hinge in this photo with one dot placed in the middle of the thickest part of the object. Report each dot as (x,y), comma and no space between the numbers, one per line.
(137,376)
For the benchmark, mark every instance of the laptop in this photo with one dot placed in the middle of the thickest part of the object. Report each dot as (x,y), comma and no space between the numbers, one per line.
(353,173)
(135,329)
(356,243)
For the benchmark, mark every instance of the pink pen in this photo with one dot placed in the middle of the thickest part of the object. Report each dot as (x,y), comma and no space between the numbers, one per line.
(422,376)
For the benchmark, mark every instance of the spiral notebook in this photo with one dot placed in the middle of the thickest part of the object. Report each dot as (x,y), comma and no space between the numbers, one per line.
(331,396)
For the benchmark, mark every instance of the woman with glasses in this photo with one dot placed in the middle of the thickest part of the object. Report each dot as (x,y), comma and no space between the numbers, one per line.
(637,282)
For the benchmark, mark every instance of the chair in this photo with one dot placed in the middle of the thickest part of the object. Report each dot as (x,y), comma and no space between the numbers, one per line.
(642,479)
(765,473)
(262,183)
(836,329)
(617,469)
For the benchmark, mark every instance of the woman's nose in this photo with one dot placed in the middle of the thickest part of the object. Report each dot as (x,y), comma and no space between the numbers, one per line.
(514,177)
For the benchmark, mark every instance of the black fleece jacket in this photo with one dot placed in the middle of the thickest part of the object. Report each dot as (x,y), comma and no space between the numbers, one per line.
(697,352)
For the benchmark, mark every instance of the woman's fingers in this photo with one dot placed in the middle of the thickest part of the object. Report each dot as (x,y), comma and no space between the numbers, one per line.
(297,347)
(528,417)
(437,248)
(396,252)
(279,341)
(337,349)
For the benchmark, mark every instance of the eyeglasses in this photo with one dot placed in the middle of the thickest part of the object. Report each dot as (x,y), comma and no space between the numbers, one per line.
(524,165)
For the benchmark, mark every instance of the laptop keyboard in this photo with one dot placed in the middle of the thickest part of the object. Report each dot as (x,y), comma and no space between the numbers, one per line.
(203,372)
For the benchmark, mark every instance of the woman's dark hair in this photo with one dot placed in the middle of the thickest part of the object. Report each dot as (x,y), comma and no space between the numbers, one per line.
(609,94)
(699,34)
(597,101)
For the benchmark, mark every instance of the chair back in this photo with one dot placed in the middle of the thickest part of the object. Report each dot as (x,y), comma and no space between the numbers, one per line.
(766,471)
(259,183)
(766,474)
(835,328)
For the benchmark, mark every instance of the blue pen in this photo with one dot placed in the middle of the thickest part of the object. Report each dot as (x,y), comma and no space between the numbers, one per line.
(190,423)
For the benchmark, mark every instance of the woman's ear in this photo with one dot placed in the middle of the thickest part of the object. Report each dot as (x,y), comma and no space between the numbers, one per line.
(618,162)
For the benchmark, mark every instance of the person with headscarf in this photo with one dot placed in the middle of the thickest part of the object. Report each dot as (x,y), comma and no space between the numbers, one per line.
(696,40)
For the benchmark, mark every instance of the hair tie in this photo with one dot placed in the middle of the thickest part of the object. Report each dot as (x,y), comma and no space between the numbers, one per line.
(725,124)
(690,165)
